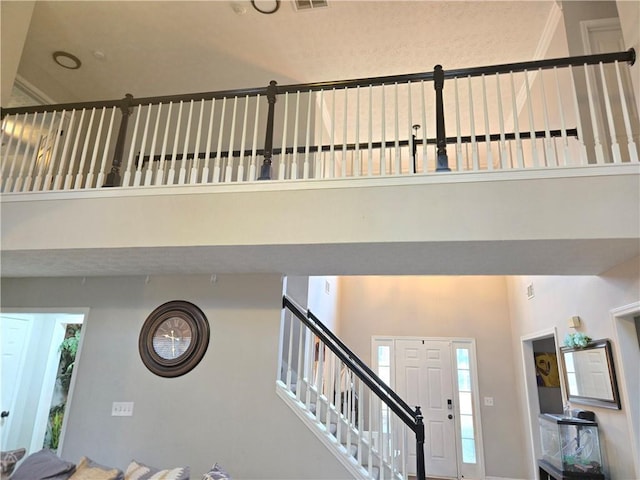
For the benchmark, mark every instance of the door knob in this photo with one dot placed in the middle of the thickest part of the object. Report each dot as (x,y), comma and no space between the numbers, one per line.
(4,414)
(449,416)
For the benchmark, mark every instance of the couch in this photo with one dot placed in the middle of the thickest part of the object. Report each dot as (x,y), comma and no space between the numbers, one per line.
(46,465)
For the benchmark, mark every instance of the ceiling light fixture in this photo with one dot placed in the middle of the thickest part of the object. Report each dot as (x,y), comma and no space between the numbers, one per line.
(266,6)
(66,60)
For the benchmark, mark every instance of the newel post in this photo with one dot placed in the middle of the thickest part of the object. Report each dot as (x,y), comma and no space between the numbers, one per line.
(113,177)
(420,467)
(265,169)
(441,136)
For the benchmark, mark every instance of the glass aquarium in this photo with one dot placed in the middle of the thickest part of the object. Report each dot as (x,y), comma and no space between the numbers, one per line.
(571,445)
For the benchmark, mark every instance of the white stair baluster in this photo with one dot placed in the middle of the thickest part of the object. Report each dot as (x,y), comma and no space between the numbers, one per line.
(48,179)
(195,165)
(300,364)
(207,152)
(57,184)
(132,148)
(504,158)
(360,421)
(83,155)
(232,137)
(582,147)
(459,160)
(631,145)
(216,165)
(357,167)
(163,151)
(148,176)
(105,151)
(283,151)
(396,164)
(137,179)
(532,130)
(319,380)
(516,125)
(8,180)
(28,185)
(383,137)
(305,168)
(94,156)
(371,433)
(332,150)
(319,170)
(563,129)
(294,158)
(600,159)
(25,157)
(615,148)
(410,129)
(424,129)
(289,351)
(243,138)
(182,174)
(548,142)
(487,128)
(472,129)
(252,168)
(43,153)
(370,146)
(344,135)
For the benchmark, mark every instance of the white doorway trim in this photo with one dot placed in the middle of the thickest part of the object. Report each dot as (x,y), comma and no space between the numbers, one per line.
(531,388)
(623,323)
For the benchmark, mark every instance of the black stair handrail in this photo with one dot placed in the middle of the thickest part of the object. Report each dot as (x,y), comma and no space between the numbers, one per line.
(622,56)
(354,363)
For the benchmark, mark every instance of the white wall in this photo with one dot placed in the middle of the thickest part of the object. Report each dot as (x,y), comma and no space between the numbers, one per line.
(225,410)
(450,306)
(324,294)
(16,17)
(591,297)
(629,13)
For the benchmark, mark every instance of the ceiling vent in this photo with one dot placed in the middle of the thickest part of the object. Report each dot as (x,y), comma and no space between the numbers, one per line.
(303,5)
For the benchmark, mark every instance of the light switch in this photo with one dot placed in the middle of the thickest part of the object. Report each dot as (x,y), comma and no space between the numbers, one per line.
(488,401)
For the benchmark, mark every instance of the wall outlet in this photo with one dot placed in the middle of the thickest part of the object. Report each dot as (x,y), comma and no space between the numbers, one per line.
(488,401)
(530,292)
(122,409)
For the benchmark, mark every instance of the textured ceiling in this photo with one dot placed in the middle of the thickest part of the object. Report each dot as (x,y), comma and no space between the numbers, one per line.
(168,47)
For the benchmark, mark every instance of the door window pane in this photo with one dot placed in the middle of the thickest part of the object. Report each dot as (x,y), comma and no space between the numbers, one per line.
(465,403)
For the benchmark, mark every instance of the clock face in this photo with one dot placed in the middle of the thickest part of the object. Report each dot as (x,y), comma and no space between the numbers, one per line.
(172,338)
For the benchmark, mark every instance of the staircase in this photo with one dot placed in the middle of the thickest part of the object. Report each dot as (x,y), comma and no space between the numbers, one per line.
(364,423)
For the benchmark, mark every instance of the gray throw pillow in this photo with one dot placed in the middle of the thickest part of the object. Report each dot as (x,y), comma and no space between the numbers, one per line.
(43,465)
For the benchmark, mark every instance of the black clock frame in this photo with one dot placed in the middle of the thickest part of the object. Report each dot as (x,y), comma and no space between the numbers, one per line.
(186,362)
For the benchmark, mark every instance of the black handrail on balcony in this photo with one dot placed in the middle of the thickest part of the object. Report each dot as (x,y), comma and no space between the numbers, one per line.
(413,419)
(438,76)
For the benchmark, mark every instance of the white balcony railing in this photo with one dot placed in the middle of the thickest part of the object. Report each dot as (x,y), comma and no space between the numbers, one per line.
(567,112)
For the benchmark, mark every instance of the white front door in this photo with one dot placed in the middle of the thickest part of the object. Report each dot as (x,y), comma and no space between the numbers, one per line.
(424,377)
(14,335)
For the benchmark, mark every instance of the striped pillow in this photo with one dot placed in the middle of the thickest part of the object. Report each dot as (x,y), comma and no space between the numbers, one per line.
(140,471)
(216,473)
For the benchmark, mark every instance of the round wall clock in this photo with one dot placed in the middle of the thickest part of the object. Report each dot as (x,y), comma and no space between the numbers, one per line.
(174,338)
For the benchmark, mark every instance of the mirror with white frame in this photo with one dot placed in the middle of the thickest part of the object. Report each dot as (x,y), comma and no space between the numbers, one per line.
(590,376)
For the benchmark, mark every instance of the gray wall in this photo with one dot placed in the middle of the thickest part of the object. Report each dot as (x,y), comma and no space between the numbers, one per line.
(225,410)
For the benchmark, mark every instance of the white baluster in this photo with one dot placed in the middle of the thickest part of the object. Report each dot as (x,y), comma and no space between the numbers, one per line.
(631,145)
(283,151)
(487,128)
(319,380)
(83,156)
(232,137)
(472,129)
(94,156)
(370,146)
(594,121)
(193,176)
(582,147)
(25,157)
(294,160)
(532,130)
(137,179)
(383,156)
(240,177)
(357,166)
(252,168)
(615,148)
(371,432)
(396,165)
(360,421)
(126,179)
(299,368)
(305,168)
(207,152)
(310,372)
(344,135)
(4,136)
(331,390)
(63,158)
(332,154)
(182,175)
(563,130)
(289,352)
(48,179)
(424,129)
(516,126)
(319,170)
(548,143)
(216,166)
(105,150)
(163,150)
(8,183)
(410,129)
(458,129)
(171,175)
(504,159)
(45,156)
(34,158)
(148,177)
